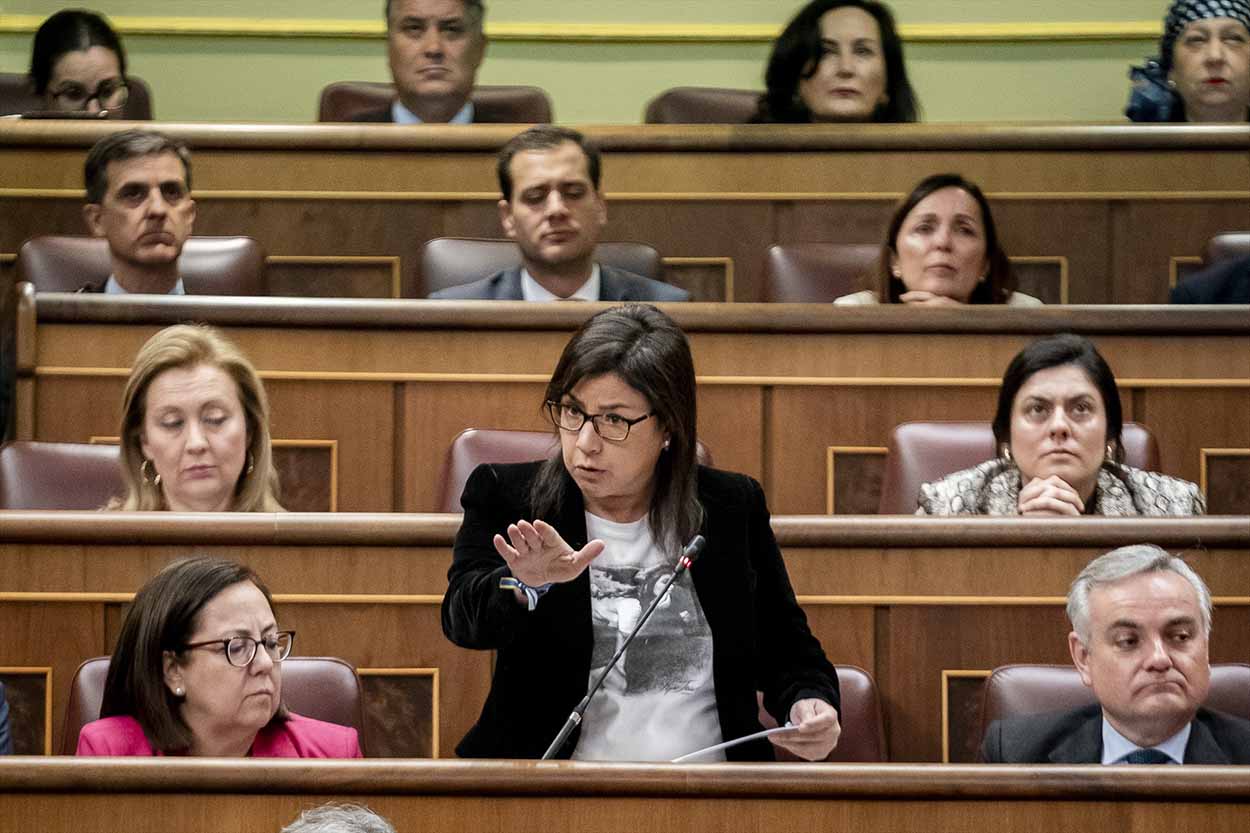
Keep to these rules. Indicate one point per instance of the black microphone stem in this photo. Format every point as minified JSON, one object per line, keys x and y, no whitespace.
{"x":688,"y":555}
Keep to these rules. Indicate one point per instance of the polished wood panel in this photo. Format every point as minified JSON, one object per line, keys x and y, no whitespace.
{"x":393,"y":382}
{"x":905,"y":598}
{"x":1133,"y":197}
{"x":181,"y":796}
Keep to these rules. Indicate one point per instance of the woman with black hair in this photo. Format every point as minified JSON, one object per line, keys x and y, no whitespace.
{"x":1058,"y":428}
{"x":838,"y":61}
{"x":77,"y":63}
{"x":942,"y":248}
{"x":556,"y":560}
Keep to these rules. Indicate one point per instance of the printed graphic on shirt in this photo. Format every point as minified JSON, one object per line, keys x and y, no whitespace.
{"x":673,"y":651}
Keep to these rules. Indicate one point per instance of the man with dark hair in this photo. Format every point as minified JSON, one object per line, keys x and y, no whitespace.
{"x":552,"y":207}
{"x":1141,"y":619}
{"x":435,"y":48}
{"x":139,"y":200}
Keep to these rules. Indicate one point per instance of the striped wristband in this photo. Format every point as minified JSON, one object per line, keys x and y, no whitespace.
{"x":532,"y":594}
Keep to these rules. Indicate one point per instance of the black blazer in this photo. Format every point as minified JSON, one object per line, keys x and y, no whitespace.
{"x":614,"y":285}
{"x":760,"y":637}
{"x":1075,"y":737}
{"x":1227,"y":282}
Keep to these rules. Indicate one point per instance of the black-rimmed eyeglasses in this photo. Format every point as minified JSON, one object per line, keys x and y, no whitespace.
{"x":241,"y":650}
{"x":612,"y":427}
{"x":110,"y":95}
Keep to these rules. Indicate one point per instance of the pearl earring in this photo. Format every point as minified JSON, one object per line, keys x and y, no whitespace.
{"x":179,"y":691}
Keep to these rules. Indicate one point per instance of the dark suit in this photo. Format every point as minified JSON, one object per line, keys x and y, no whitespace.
{"x":1075,"y":737}
{"x":1226,"y":282}
{"x":614,"y":285}
{"x":6,"y":740}
{"x":760,"y":637}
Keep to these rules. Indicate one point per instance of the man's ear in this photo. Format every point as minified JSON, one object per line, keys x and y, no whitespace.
{"x":91,"y":216}
{"x":506,"y":220}
{"x":1080,"y":658}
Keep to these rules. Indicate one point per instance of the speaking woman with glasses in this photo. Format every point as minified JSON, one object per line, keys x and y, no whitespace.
{"x":556,"y":561}
{"x":198,"y":671}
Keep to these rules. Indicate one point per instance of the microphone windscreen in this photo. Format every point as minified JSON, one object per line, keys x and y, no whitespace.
{"x":693,"y":549}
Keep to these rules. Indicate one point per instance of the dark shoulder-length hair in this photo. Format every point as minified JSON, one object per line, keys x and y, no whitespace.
{"x":1000,"y":281}
{"x":797,"y":53}
{"x":1054,"y":351}
{"x":650,"y":353}
{"x":162,"y":618}
{"x":71,"y":30}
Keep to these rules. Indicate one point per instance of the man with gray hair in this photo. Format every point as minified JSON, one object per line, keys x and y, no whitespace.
{"x":1141,"y":619}
{"x":435,"y":48}
{"x":139,"y":200}
{"x":339,"y":818}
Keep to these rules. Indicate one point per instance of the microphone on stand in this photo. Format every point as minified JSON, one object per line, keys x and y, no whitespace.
{"x":688,"y":555}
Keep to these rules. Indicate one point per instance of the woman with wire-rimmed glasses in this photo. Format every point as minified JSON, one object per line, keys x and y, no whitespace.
{"x":556,"y":561}
{"x":198,"y":671}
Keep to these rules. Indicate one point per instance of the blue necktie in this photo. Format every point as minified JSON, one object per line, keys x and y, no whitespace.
{"x":1146,"y":756}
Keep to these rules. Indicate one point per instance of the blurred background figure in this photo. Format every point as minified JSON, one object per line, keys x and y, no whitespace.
{"x":77,"y":63}
{"x":339,"y":818}
{"x":1202,"y":73}
{"x":838,"y":61}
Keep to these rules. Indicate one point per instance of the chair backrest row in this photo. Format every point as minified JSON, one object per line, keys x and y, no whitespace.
{"x":16,"y":96}
{"x":793,"y":272}
{"x":327,"y":688}
{"x":209,"y":265}
{"x":37,"y":475}
{"x":323,"y":688}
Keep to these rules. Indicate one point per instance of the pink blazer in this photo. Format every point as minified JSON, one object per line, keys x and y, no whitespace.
{"x":296,"y":737}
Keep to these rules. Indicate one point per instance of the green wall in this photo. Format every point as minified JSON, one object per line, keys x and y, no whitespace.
{"x":233,"y":78}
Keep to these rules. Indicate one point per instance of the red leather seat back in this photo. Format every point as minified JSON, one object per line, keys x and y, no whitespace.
{"x":703,"y":105}
{"x":16,"y":97}
{"x":807,"y":273}
{"x":505,"y":104}
{"x":36,"y":475}
{"x":1018,"y":690}
{"x":324,"y":688}
{"x":451,"y":261}
{"x":475,"y":446}
{"x":208,"y":265}
{"x":922,"y":452}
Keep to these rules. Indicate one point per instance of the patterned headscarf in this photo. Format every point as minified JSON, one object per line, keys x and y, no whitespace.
{"x":1184,"y":12}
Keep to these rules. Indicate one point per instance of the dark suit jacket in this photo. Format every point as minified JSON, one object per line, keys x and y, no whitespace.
{"x":614,"y":285}
{"x":1075,"y":737}
{"x":6,"y":740}
{"x":760,"y":637}
{"x":1227,"y":282}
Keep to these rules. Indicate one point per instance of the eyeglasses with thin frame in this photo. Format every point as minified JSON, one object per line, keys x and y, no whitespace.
{"x":110,"y":95}
{"x":609,"y":426}
{"x":241,"y":650}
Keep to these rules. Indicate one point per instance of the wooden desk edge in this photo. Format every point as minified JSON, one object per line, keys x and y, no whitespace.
{"x":535,"y":778}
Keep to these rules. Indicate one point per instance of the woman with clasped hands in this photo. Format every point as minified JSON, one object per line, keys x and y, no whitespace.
{"x":556,"y":561}
{"x":198,"y":671}
{"x":1058,"y":429}
{"x":942,"y":249}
